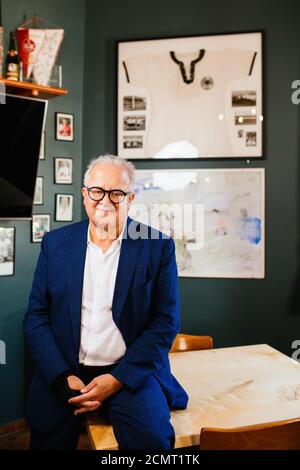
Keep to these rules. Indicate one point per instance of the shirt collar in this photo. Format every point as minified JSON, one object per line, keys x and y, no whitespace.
{"x":117,"y":241}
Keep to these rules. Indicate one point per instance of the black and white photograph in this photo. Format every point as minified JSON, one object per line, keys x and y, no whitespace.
{"x":42,"y":155}
{"x":193,"y":87}
{"x":133,"y":142}
{"x":7,"y":251}
{"x":38,"y":199}
{"x":64,"y":207}
{"x":64,"y":126}
{"x":245,"y":119}
{"x":134,"y":103}
{"x":243,"y":98}
{"x":39,"y":226}
{"x":134,"y":123}
{"x":63,"y":170}
{"x":251,"y":139}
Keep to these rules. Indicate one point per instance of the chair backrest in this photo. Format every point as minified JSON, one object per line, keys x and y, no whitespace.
{"x":191,"y":343}
{"x":280,"y":435}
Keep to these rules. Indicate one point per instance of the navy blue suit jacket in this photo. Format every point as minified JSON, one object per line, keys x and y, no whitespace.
{"x":145,"y":309}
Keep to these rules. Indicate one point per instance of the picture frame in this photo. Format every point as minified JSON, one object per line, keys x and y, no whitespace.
{"x":7,"y":251}
{"x":63,"y":170}
{"x":38,"y":199}
{"x":64,"y":126}
{"x":42,"y":154}
{"x":64,"y":207}
{"x":190,"y":97}
{"x":40,"y":224}
{"x":215,"y":216}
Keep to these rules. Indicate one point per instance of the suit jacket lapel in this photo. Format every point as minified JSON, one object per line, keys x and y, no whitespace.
{"x":129,"y":255}
{"x":76,"y":261}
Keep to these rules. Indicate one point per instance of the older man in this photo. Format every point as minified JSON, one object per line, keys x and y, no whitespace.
{"x":102,"y":316}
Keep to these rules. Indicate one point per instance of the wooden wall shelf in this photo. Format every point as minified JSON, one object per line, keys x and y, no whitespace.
{"x":32,"y":90}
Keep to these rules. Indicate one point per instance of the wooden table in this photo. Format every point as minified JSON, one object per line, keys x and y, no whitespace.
{"x":227,"y":387}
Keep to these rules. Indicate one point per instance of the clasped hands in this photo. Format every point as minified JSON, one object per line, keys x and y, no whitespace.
{"x":92,"y":394}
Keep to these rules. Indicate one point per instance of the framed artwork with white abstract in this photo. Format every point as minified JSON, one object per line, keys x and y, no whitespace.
{"x":191,"y":97}
{"x":63,"y":170}
{"x":42,"y":154}
{"x":216,"y":218}
{"x":64,"y":207}
{"x":39,"y":226}
{"x":39,"y":191}
{"x":7,"y":251}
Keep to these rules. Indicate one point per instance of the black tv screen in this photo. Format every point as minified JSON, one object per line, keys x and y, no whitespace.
{"x":21,"y":127}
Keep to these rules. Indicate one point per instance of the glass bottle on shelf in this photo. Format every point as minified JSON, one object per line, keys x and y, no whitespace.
{"x":56,"y":77}
{"x":12,"y":59}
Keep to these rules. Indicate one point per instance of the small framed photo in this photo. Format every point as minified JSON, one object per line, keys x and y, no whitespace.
{"x":63,"y":170}
{"x":64,"y":126}
{"x":40,"y":225}
{"x":38,"y":199}
{"x":64,"y":207}
{"x":7,"y":251}
{"x":43,"y":146}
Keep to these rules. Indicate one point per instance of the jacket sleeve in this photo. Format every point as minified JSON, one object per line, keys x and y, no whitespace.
{"x":37,"y":325}
{"x":145,"y":355}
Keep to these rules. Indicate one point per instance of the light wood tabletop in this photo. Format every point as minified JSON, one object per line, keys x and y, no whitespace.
{"x":229,"y":387}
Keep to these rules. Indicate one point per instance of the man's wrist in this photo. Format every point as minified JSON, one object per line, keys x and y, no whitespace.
{"x":117,"y":384}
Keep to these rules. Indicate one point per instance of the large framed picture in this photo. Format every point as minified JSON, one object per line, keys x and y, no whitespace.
{"x":7,"y":251}
{"x":64,"y":126}
{"x":191,"y":97}
{"x":40,"y":225}
{"x":63,"y":170}
{"x":64,"y":207}
{"x":216,"y":218}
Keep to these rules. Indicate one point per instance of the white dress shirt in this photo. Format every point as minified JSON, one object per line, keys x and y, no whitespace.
{"x":101,"y":341}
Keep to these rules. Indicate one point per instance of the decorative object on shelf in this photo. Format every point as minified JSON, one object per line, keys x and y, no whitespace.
{"x":190,"y":97}
{"x":7,"y":251}
{"x":39,"y":226}
{"x":38,"y":199}
{"x":64,"y":126}
{"x":64,"y":207}
{"x":63,"y":170}
{"x":12,"y":65}
{"x":56,"y":77}
{"x":42,"y":155}
{"x":216,"y":218}
{"x":39,"y":44}
{"x":1,"y":51}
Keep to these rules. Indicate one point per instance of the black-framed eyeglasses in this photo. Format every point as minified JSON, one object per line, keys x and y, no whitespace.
{"x":116,"y":196}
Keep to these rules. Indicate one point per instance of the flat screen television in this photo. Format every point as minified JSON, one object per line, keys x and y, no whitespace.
{"x":21,"y":126}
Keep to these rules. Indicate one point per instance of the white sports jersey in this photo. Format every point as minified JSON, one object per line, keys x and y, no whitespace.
{"x":188,"y":100}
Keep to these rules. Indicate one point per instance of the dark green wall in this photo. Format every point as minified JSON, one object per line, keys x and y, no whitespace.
{"x":69,"y":14}
{"x":234,"y":312}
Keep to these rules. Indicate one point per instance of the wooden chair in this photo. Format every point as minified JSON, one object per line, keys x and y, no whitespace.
{"x":279,"y":435}
{"x":191,"y":343}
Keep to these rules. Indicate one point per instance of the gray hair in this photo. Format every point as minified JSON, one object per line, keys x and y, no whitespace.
{"x":111,"y":160}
